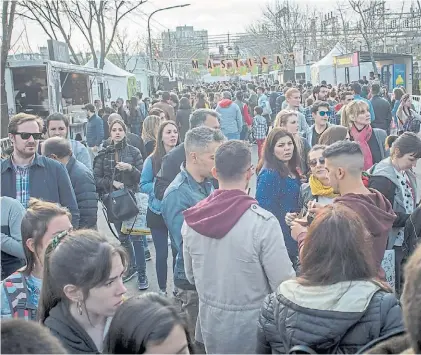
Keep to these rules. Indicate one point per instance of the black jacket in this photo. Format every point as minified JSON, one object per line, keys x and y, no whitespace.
{"x":337,"y":318}
{"x":170,"y":167}
{"x":412,"y":230}
{"x":183,"y":122}
{"x":71,"y":335}
{"x":382,"y":112}
{"x":85,"y":190}
{"x":104,"y":167}
{"x":134,"y":140}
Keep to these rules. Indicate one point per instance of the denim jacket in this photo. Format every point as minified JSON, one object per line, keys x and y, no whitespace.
{"x":147,"y":183}
{"x":184,"y":192}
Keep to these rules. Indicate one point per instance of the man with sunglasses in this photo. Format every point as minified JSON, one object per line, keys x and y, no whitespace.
{"x":26,"y":174}
{"x":321,"y":114}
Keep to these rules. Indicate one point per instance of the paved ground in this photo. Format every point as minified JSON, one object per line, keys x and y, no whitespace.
{"x":150,"y":265}
{"x":132,"y":286}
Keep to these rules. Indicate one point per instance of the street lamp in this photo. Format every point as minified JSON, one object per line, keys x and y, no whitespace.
{"x":149,"y":29}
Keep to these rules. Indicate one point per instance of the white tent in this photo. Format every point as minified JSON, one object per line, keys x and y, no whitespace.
{"x":117,"y":78}
{"x":324,"y":69}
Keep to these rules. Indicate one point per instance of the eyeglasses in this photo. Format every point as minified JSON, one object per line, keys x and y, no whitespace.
{"x":25,"y":135}
{"x":313,"y":162}
{"x":325,"y":113}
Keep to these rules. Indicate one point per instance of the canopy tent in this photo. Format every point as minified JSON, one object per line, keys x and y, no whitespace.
{"x":324,"y":68}
{"x":121,"y":83}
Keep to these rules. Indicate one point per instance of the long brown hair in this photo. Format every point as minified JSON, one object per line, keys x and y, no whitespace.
{"x":333,"y":134}
{"x":81,"y":258}
{"x":159,"y":150}
{"x":270,"y":161}
{"x":336,"y":249}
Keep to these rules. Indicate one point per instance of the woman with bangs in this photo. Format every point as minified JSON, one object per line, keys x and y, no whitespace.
{"x":82,"y":289}
{"x":356,"y":117}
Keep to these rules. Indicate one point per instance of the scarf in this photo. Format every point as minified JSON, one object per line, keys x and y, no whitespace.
{"x":318,"y":189}
{"x":362,"y":137}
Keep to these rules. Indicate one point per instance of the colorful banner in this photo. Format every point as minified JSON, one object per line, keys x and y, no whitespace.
{"x":346,"y":61}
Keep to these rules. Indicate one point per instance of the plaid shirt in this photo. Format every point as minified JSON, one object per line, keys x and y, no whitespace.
{"x":310,"y":120}
{"x":260,"y":127}
{"x":22,"y":184}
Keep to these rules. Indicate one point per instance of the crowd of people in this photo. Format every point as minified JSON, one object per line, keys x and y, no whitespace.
{"x":323,"y":258}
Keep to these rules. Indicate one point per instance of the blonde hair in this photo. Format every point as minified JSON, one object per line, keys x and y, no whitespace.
{"x":291,"y":92}
{"x":150,"y":128}
{"x":351,"y":111}
{"x":281,"y":121}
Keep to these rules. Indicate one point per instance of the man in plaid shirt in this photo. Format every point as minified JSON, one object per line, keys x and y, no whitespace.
{"x":320,"y":93}
{"x":26,"y":174}
{"x":259,"y":129}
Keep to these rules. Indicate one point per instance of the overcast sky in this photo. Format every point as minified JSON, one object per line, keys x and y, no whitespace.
{"x":217,"y":16}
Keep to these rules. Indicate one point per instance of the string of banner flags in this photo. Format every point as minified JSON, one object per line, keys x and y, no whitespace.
{"x":237,"y":66}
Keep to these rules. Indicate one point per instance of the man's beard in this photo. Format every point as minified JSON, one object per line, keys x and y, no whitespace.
{"x":24,"y":154}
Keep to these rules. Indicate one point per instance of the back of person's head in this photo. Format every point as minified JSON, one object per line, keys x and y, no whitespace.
{"x":34,"y":226}
{"x":113,"y":117}
{"x":411,"y":300}
{"x":227,"y":95}
{"x":232,"y":161}
{"x":155,"y":111}
{"x":356,"y":88}
{"x":20,"y":336}
{"x":198,"y":117}
{"x":346,"y":155}
{"x":142,"y":324}
{"x":185,"y":104}
{"x":75,"y":263}
{"x":327,"y":259}
{"x":150,"y":128}
{"x":258,"y":110}
{"x":165,"y":96}
{"x":375,"y":89}
{"x":199,"y":139}
{"x":58,"y":147}
{"x":398,"y":93}
{"x":351,"y":111}
{"x":239,"y":95}
{"x":406,"y":143}
{"x":333,"y":134}
{"x":389,"y":141}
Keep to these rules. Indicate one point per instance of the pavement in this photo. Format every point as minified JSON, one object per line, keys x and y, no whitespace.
{"x":150,"y":265}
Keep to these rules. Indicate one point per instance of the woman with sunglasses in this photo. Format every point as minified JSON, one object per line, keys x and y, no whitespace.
{"x":356,"y":117}
{"x":318,"y":188}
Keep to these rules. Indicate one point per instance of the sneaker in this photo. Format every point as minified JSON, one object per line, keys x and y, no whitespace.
{"x":129,"y":274}
{"x":163,"y":293}
{"x":143,"y":282}
{"x":148,"y":255}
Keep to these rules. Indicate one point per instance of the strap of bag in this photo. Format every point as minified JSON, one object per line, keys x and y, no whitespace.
{"x":104,"y":211}
{"x":112,"y":178}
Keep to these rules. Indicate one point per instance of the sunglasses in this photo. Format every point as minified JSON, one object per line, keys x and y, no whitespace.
{"x":25,"y":135}
{"x":313,"y":162}
{"x":325,"y":113}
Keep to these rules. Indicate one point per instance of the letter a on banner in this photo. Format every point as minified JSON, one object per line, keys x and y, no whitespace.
{"x":210,"y":64}
{"x":195,"y":64}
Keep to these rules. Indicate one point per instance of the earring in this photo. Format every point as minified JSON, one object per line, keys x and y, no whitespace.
{"x":79,"y":307}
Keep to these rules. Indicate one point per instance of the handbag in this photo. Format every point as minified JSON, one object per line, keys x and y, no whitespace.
{"x":137,"y":225}
{"x":120,"y":204}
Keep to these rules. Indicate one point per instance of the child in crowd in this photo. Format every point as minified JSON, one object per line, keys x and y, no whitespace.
{"x":388,"y":143}
{"x":259,"y":128}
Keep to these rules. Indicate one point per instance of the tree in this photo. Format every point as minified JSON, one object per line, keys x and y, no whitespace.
{"x":8,"y":17}
{"x":124,"y":50}
{"x":97,"y":21}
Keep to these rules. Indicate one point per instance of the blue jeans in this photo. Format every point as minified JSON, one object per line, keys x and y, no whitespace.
{"x":160,"y":240}
{"x":231,"y":136}
{"x":133,"y":245}
{"x":145,"y":243}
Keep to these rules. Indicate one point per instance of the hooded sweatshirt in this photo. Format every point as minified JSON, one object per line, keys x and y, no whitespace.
{"x":71,"y":335}
{"x":217,"y":214}
{"x":378,"y":216}
{"x":231,"y":117}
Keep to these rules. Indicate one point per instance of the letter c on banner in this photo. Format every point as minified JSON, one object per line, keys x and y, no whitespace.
{"x":265,"y":60}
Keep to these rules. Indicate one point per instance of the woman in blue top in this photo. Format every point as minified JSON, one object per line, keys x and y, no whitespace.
{"x":167,"y":139}
{"x":20,"y":291}
{"x":278,"y":182}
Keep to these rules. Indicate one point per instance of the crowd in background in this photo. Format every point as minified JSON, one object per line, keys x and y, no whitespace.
{"x":315,"y":261}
